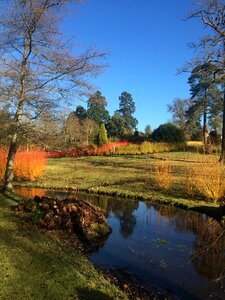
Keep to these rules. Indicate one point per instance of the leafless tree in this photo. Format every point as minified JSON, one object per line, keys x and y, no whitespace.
{"x":37,"y":67}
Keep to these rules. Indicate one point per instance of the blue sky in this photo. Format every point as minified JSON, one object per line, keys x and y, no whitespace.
{"x":148,"y":42}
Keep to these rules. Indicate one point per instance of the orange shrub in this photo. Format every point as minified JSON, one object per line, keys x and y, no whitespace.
{"x":30,"y":164}
{"x":3,"y":158}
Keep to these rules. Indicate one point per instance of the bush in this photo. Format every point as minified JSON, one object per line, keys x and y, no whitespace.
{"x":3,"y":158}
{"x":28,"y":165}
{"x":168,"y":133}
{"x":206,"y":178}
{"x":148,"y":148}
{"x":163,"y":174}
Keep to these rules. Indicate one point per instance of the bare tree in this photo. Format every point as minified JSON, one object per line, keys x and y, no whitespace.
{"x":37,"y":68}
{"x":212,"y":15}
{"x":179,"y":108}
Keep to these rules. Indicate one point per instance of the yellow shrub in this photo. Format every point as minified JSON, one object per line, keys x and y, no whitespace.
{"x":162,"y":172}
{"x":207,"y":178}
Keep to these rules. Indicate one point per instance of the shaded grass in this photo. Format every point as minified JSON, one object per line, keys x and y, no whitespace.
{"x":36,"y":265}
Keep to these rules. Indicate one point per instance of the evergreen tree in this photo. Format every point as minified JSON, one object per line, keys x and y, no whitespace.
{"x":97,"y":109}
{"x":202,"y":90}
{"x":115,"y":127}
{"x":102,"y":136}
{"x":126,"y":110}
{"x":81,"y":112}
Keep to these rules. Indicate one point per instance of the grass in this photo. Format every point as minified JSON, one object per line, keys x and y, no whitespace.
{"x":127,"y":176}
{"x":37,"y":265}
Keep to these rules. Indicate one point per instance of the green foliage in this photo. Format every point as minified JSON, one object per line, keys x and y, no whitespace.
{"x":168,"y":133}
{"x":126,"y":110}
{"x":115,"y":126}
{"x":81,"y":112}
{"x":97,"y":109}
{"x":102,"y":136}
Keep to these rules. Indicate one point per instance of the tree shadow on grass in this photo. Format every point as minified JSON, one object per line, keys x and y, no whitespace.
{"x":85,"y":294}
{"x":35,"y":266}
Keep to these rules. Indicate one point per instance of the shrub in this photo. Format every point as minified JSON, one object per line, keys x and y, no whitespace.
{"x":29,"y":165}
{"x":149,"y":147}
{"x":206,"y":179}
{"x":102,"y":136}
{"x":3,"y":158}
{"x":168,"y":133}
{"x":162,"y":173}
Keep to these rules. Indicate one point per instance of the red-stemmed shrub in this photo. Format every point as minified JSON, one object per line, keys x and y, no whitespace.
{"x":30,"y":165}
{"x":3,"y":158}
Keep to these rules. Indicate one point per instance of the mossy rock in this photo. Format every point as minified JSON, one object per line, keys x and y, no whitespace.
{"x":96,"y":231}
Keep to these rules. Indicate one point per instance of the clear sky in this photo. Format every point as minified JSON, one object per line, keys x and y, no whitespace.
{"x":148,"y":40}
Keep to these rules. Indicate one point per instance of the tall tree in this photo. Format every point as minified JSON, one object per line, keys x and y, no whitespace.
{"x":203,"y":88}
{"x":37,"y":70}
{"x":72,"y":130}
{"x":97,"y":109}
{"x":179,"y":108}
{"x":212,"y":15}
{"x":81,"y":112}
{"x":126,"y":110}
{"x":148,"y":129}
{"x":115,"y":127}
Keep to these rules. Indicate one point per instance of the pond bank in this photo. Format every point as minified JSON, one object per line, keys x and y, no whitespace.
{"x":152,"y":241}
{"x":38,"y":265}
{"x":210,"y":209}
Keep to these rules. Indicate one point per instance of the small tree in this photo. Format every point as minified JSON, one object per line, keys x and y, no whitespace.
{"x":102,"y":136}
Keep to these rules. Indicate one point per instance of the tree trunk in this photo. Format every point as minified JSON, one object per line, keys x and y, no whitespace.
{"x":10,"y":162}
{"x":204,"y":125}
{"x":9,"y":174}
{"x":222,"y":155}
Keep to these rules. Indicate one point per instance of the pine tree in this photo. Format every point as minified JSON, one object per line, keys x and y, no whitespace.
{"x":126,"y":110}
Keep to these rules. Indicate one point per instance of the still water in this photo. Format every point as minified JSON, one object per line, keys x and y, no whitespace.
{"x":179,"y":251}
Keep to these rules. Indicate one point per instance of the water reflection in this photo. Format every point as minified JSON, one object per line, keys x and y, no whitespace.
{"x":181,"y":251}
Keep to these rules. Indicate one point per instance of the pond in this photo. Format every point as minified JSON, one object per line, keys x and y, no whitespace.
{"x":181,"y":252}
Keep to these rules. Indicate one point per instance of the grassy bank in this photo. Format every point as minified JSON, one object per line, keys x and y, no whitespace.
{"x":36,"y":265}
{"x":128,"y":176}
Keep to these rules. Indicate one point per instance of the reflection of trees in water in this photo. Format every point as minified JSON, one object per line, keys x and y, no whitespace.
{"x":123,"y":210}
{"x":30,"y":193}
{"x":208,"y":255}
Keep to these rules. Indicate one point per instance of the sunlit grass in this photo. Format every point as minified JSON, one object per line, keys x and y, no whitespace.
{"x":130,"y":176}
{"x":37,"y":265}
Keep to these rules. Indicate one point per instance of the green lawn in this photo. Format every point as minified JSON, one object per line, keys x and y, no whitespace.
{"x":35,"y":265}
{"x":129,"y":176}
